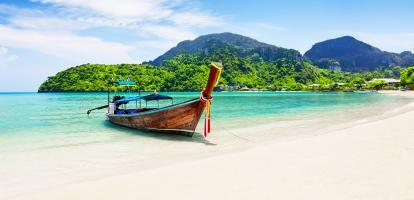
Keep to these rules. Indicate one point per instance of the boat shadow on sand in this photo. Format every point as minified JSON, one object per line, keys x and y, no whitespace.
{"x":197,"y":137}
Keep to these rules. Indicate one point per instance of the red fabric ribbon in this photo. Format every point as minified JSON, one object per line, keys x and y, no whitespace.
{"x":207,"y":119}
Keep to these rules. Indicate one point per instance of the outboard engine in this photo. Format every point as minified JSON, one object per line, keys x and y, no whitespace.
{"x":112,"y":108}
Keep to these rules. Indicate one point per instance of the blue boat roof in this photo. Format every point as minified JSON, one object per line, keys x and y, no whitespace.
{"x":153,"y":97}
{"x":128,"y":99}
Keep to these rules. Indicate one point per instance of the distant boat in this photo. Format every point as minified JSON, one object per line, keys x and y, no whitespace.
{"x":180,"y":118}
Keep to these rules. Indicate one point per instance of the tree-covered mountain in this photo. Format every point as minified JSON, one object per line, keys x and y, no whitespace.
{"x":243,"y":46}
{"x":246,"y":62}
{"x":349,"y":54}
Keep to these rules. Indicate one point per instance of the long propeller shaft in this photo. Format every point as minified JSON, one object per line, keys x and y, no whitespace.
{"x":98,"y":108}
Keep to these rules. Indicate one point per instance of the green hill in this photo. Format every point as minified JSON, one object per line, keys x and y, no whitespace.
{"x":246,"y":62}
{"x":244,"y":46}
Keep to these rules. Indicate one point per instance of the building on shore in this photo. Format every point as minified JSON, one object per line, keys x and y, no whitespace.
{"x":390,"y":81}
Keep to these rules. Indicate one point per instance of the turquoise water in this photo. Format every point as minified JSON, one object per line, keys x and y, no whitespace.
{"x":47,"y":139}
{"x":49,"y":113}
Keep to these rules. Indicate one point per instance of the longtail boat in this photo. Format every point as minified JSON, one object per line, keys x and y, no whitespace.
{"x":179,"y":118}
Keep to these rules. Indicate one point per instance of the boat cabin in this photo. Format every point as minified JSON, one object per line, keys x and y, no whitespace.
{"x":119,"y":104}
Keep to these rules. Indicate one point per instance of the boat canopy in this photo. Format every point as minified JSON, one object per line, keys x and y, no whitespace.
{"x":151,"y":97}
{"x":128,"y":99}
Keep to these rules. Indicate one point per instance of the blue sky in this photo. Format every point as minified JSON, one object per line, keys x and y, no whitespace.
{"x":39,"y":38}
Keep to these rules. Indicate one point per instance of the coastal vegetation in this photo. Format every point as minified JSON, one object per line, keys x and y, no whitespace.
{"x":377,"y":84}
{"x":188,"y":73}
{"x":407,"y":77}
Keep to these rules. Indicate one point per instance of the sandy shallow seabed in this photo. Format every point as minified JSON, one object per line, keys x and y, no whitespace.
{"x":373,"y":160}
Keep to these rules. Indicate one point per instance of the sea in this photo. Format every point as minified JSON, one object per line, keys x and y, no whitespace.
{"x":47,"y":139}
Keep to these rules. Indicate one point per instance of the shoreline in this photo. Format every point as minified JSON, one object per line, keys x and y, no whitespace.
{"x":343,"y":90}
{"x":369,"y":160}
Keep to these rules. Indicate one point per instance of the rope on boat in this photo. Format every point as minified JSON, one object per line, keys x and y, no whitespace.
{"x":209,"y":99}
{"x":207,"y":119}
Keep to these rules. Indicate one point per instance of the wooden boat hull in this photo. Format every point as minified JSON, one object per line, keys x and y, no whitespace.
{"x":180,"y":118}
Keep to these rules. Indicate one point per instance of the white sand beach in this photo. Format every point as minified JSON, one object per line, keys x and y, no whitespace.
{"x":372,"y":160}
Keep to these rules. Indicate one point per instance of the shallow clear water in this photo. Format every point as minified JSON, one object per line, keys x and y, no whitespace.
{"x":48,"y":139}
{"x":24,"y":113}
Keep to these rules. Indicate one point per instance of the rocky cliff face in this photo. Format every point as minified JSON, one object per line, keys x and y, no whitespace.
{"x":355,"y":56}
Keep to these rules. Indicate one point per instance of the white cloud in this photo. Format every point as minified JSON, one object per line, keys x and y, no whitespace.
{"x":51,"y":24}
{"x":129,"y":13}
{"x":66,"y":45}
{"x":54,"y":30}
{"x":5,"y":57}
{"x":150,"y":9}
{"x":64,"y":33}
